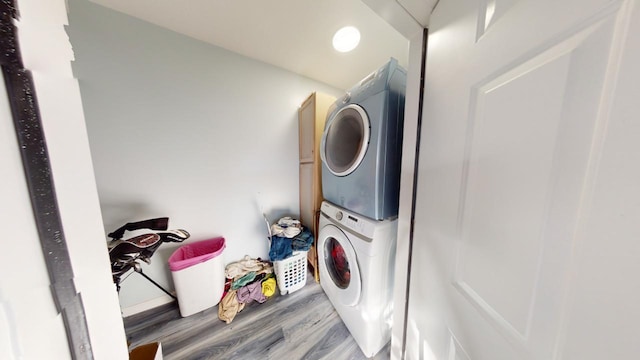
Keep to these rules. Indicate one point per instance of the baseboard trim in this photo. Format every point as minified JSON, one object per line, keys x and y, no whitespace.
{"x":147,"y":305}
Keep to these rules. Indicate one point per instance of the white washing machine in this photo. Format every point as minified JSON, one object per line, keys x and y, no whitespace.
{"x":356,"y":256}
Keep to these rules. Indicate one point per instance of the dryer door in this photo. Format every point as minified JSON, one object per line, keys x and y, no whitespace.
{"x":339,"y":265}
{"x":345,"y":140}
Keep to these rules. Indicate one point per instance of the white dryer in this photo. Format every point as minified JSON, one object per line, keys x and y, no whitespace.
{"x":356,"y":260}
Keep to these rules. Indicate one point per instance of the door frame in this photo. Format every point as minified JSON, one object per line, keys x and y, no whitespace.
{"x":408,"y":188}
{"x":410,"y":19}
{"x":39,"y":180}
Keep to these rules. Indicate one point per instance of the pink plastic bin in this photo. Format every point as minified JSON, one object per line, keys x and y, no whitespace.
{"x":197,"y":270}
{"x":195,"y":253}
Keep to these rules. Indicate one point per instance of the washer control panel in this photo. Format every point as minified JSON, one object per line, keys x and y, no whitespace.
{"x":357,"y":223}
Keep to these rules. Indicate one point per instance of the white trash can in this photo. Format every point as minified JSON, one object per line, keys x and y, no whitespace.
{"x":198,"y":275}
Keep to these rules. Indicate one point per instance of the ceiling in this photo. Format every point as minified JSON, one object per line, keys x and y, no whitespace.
{"x":292,"y":34}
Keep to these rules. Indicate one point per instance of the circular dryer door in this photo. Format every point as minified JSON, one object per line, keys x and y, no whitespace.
{"x":345,"y":140}
{"x":339,"y":265}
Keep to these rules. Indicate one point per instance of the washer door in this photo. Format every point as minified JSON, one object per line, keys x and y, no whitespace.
{"x":339,"y":265}
{"x":345,"y":140}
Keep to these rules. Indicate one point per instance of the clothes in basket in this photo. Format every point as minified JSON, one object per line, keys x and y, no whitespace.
{"x":283,"y":247}
{"x":289,"y":243}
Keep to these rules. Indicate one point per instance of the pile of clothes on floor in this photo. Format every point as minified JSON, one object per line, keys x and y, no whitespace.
{"x":247,"y":280}
{"x":254,"y":279}
{"x":288,"y":235}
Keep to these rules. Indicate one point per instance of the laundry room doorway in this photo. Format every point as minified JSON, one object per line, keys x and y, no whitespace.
{"x":167,"y":125}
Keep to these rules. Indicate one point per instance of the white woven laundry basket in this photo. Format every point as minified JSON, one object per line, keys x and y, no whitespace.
{"x":291,"y":273}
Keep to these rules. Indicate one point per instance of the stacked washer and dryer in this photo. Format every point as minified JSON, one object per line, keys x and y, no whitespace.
{"x":361,"y":154}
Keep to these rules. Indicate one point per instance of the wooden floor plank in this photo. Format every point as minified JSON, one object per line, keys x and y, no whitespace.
{"x":301,"y":325}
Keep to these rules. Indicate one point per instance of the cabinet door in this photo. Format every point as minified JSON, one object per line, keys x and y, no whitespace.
{"x":306,"y":118}
{"x":307,"y":210}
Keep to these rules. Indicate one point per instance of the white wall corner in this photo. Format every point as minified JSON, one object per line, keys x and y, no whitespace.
{"x":420,"y":10}
{"x":397,"y":16}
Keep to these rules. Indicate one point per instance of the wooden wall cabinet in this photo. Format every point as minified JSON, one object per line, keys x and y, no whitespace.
{"x":311,"y":116}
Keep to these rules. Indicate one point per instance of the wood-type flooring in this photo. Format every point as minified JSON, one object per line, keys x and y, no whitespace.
{"x":301,"y":325}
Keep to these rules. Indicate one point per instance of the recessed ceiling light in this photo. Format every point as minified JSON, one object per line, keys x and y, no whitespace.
{"x":346,"y":39}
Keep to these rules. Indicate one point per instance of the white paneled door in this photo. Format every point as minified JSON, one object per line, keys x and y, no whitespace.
{"x":527,"y":230}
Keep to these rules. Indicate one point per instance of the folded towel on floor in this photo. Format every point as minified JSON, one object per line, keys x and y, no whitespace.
{"x":253,"y":291}
{"x":229,"y":307}
{"x":269,"y":287}
{"x":244,"y":280}
{"x":242,"y":267}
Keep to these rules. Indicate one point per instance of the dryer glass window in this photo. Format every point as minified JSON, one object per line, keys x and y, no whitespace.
{"x":346,"y":140}
{"x":337,"y":263}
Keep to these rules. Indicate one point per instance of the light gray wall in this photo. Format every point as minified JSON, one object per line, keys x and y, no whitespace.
{"x":181,"y":128}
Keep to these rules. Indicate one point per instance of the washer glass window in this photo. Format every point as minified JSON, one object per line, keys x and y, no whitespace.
{"x":337,"y":263}
{"x":346,"y":140}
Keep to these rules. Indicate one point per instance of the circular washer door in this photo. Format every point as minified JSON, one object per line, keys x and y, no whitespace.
{"x":339,"y":265}
{"x":345,"y":140}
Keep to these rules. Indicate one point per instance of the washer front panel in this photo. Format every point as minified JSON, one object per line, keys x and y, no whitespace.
{"x":339,"y":266}
{"x":337,"y":263}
